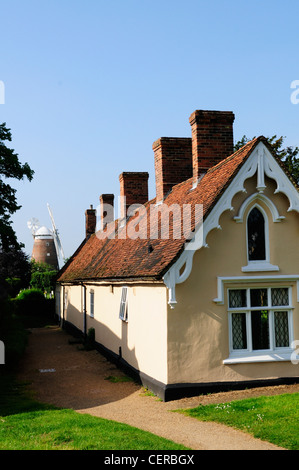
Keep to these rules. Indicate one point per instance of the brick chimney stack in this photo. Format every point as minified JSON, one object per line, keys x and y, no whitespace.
{"x":212,"y":139}
{"x":90,"y":222}
{"x":107,"y":209}
{"x":133,"y":190}
{"x":173,"y":163}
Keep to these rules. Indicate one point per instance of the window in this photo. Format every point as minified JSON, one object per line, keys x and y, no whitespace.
{"x":123,"y":310}
{"x":258,"y":249}
{"x":92,"y":303}
{"x":256,"y":235}
{"x":259,"y":319}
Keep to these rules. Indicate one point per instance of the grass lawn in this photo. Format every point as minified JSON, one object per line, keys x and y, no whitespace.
{"x":28,"y":425}
{"x":271,"y":418}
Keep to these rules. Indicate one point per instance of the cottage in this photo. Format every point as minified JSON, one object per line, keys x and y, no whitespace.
{"x":198,"y":288}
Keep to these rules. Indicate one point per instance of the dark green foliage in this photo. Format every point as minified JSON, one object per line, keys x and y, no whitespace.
{"x":31,"y":295}
{"x":32,"y":302}
{"x":44,"y":281}
{"x":288,"y":155}
{"x":10,"y":167}
{"x":43,"y":277}
{"x":30,"y":309}
{"x":13,"y":335}
{"x":14,"y":271}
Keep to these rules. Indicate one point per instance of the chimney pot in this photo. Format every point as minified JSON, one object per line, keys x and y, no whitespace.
{"x":133,"y":190}
{"x":107,"y":209}
{"x":212,"y":139}
{"x":173,"y":163}
{"x":90,"y":222}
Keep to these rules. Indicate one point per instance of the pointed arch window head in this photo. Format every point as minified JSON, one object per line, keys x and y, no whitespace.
{"x":257,"y":232}
{"x":256,"y":236}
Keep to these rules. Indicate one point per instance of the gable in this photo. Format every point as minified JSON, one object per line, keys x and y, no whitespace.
{"x":259,"y":162}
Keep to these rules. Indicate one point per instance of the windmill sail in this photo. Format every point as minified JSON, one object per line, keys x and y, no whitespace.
{"x":33,"y":225}
{"x":57,"y":241}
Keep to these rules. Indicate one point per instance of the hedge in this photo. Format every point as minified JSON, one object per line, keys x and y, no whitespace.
{"x":32,"y":302}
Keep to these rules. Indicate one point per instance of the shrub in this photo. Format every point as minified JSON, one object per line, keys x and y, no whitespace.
{"x":30,"y":302}
{"x":13,"y":335}
{"x":42,"y":277}
{"x":31,"y":294}
{"x":15,"y":338}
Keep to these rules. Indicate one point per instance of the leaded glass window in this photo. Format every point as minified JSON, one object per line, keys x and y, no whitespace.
{"x":280,"y":296}
{"x":239,"y":331}
{"x":260,"y":318}
{"x":237,"y":298}
{"x":256,"y":235}
{"x":281,"y":329}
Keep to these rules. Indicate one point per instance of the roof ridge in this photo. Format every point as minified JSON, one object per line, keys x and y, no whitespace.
{"x":236,"y":153}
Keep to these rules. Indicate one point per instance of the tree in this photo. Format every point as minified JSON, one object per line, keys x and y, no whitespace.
{"x":15,"y":272}
{"x":43,"y":277}
{"x":287,"y":155}
{"x":10,"y":167}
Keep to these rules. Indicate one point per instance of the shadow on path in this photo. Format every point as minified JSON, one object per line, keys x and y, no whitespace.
{"x":62,"y":374}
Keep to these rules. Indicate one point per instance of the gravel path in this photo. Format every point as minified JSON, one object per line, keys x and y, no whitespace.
{"x":64,"y":375}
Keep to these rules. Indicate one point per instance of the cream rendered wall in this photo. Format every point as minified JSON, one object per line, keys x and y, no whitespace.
{"x":142,"y":338}
{"x":198,"y":328}
{"x":73,"y":305}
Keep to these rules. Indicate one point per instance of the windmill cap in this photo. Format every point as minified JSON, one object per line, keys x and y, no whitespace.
{"x":43,"y":232}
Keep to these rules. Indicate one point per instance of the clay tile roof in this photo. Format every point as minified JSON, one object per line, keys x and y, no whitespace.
{"x":122,"y":258}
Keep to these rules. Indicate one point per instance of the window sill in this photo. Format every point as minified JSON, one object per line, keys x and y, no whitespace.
{"x":286,"y":355}
{"x":259,"y":266}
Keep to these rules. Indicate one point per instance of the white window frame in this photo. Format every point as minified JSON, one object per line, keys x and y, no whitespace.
{"x":91,"y":303}
{"x":263,"y":355}
{"x":259,"y":265}
{"x":123,"y":308}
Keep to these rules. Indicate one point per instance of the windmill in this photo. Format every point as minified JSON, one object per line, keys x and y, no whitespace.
{"x":57,"y":242}
{"x":47,"y":246}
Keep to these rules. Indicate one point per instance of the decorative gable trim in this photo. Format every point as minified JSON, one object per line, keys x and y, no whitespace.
{"x":260,"y":161}
{"x":262,"y":265}
{"x":259,"y":197}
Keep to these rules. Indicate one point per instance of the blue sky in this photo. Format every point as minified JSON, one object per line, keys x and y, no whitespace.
{"x":89,"y":86}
